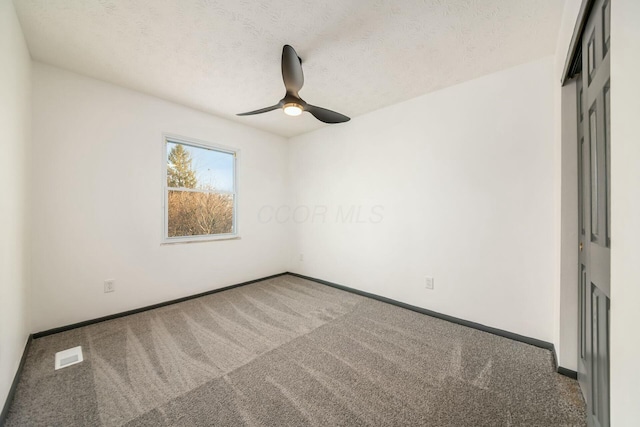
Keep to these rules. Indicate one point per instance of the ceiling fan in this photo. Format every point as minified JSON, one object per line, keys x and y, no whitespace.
{"x":292,"y":104}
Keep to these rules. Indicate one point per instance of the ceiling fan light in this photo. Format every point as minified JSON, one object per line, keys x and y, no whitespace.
{"x":292,"y":109}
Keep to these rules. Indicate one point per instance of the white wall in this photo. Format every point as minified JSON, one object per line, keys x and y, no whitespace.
{"x":15,"y":122}
{"x":625,"y":212}
{"x":464,"y":177}
{"x":566,"y":198}
{"x":97,"y":152}
{"x":567,"y":343}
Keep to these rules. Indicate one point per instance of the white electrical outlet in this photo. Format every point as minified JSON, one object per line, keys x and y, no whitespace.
{"x":301,"y":257}
{"x":428,"y":282}
{"x":109,"y":286}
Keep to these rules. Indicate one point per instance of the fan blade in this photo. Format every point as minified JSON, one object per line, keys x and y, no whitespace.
{"x":260,"y":111}
{"x":327,"y":116}
{"x":291,"y":70}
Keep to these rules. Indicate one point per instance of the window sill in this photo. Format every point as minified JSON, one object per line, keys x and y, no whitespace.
{"x":171,"y":242}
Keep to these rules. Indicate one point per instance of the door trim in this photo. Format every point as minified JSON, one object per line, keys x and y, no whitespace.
{"x":573,"y":63}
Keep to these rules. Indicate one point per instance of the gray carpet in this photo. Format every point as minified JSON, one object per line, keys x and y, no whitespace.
{"x":291,"y":352}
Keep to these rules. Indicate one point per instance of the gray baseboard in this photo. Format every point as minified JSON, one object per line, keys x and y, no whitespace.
{"x":148,"y":307}
{"x":567,"y":373}
{"x":500,"y":332}
{"x":14,"y":385}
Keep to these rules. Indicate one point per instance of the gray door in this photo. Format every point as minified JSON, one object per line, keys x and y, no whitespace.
{"x":594,"y":215}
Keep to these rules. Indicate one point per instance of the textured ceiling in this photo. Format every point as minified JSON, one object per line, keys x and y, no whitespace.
{"x":223,"y":56}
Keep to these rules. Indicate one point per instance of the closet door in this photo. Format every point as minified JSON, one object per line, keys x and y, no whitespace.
{"x":595,"y":213}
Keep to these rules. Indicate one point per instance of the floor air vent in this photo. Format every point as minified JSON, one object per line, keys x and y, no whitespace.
{"x":68,"y":357}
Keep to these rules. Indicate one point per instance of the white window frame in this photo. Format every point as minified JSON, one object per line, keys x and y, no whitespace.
{"x":170,"y":138}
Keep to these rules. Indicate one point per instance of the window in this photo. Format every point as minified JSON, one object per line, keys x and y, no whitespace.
{"x":199,"y":191}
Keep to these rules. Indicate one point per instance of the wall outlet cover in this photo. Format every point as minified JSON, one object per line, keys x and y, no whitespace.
{"x":429,"y":283}
{"x":109,"y":286}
